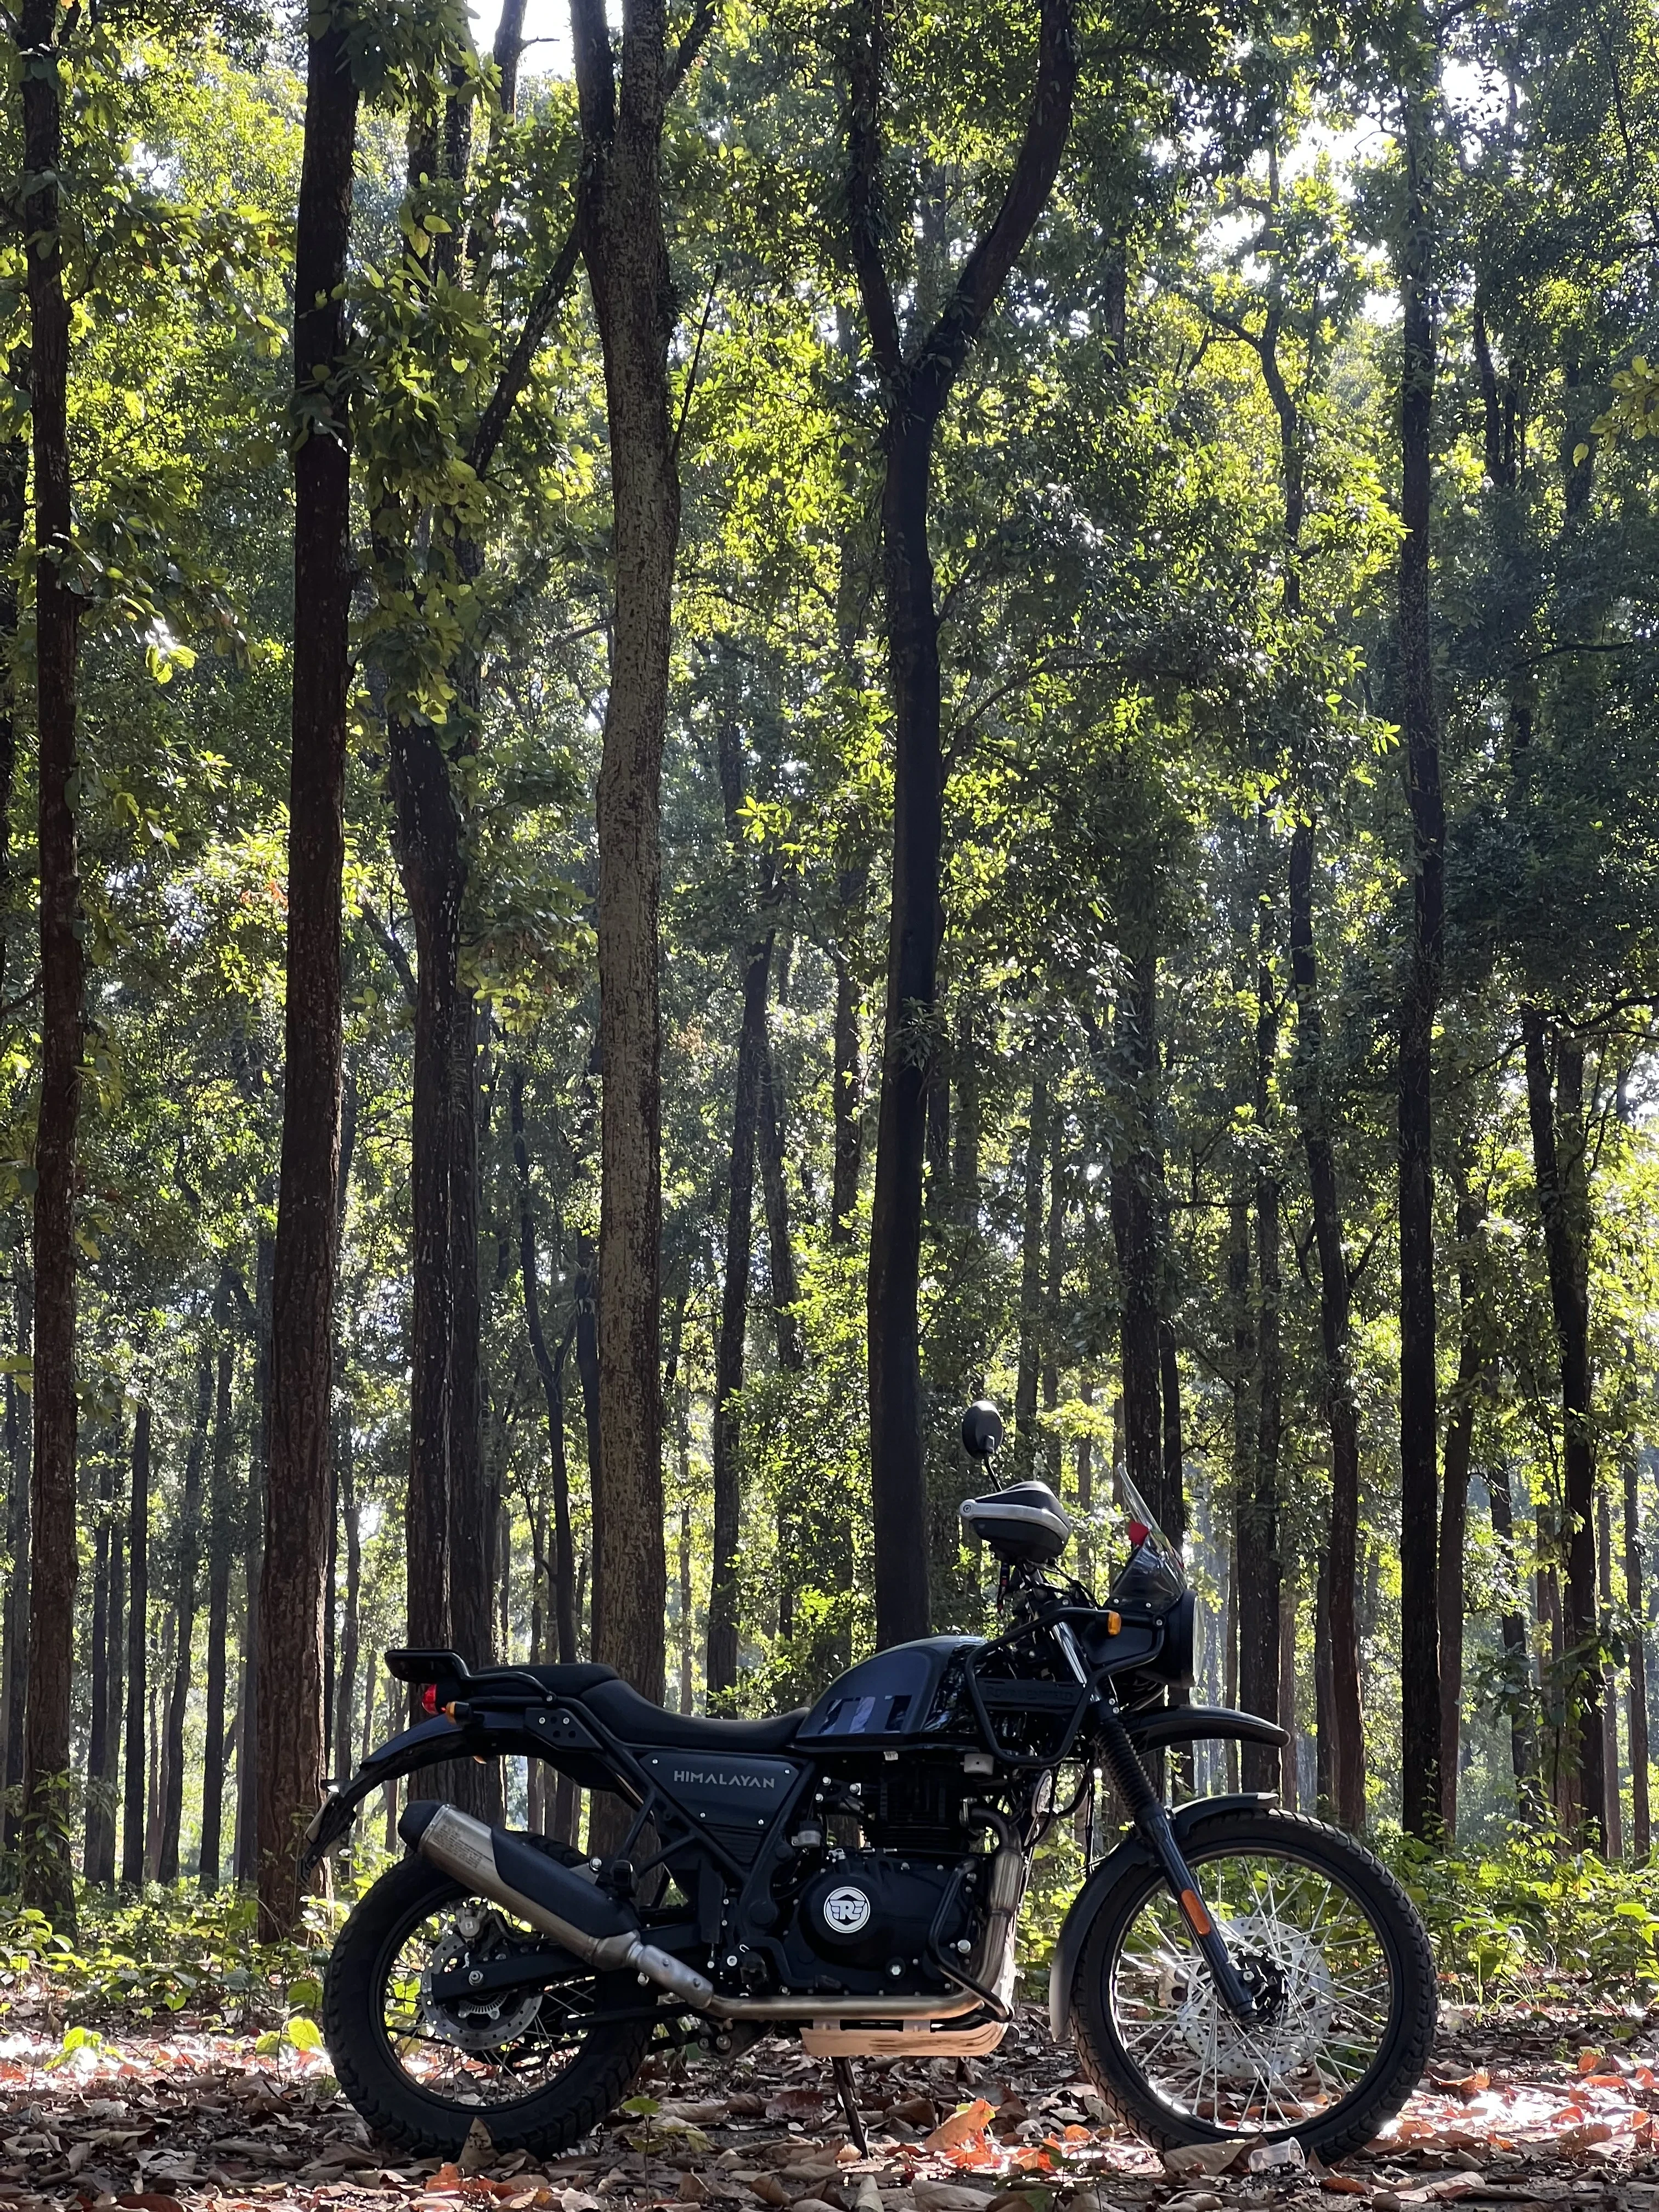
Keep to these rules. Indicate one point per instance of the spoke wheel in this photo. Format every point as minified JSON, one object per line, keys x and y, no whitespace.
{"x":1338,"y":1962}
{"x":428,"y":2032}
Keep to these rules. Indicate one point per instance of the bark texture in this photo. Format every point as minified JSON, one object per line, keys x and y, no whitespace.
{"x":1339,"y":1570}
{"x":46,"y":1878}
{"x":729,"y":1342}
{"x":1419,"y":1652}
{"x":188,"y":1560}
{"x":132,"y":1808}
{"x":290,"y":1725}
{"x":915,"y":386}
{"x":220,"y":1537}
{"x":1555,"y":1104}
{"x":625,"y":251}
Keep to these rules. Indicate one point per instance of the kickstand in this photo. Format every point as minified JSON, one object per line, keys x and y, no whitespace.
{"x":846,"y":2090}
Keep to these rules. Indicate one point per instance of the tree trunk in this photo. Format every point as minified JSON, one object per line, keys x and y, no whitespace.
{"x":18,"y":1512}
{"x":1613,"y":1811}
{"x":1523,"y":1736}
{"x":626,"y":255}
{"x":220,"y":1538}
{"x":1324,"y":1702}
{"x":1054,"y":1296}
{"x":1419,"y":1655}
{"x":1289,"y":1761}
{"x":914,"y":393}
{"x":898,"y":1482}
{"x":1260,"y":1569}
{"x":1641,"y":1838}
{"x":550,"y":1369}
{"x":1455,"y":1505}
{"x":688,"y":1616}
{"x":965,"y":1128}
{"x":290,"y":1726}
{"x":132,"y":1827}
{"x":1555,"y":1110}
{"x":1030,"y":1285}
{"x":351,"y":1626}
{"x":98,"y":1759}
{"x":474,"y":1502}
{"x":258,"y":1472}
{"x":585,"y":1293}
{"x":723,"y":1594}
{"x":14,"y":513}
{"x":114,"y":1697}
{"x":848,"y":1094}
{"x":189,"y":1539}
{"x":433,"y":869}
{"x":1346,"y":1750}
{"x":48,"y":1880}
{"x":1136,"y":1187}
{"x":780,"y":1242}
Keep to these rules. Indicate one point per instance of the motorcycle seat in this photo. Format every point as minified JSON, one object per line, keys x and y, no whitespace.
{"x":636,"y":1720}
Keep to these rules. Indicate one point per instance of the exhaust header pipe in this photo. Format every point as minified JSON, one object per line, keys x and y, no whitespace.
{"x":601,"y":1932}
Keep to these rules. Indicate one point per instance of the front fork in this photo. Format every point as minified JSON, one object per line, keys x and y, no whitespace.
{"x":1153,"y":1821}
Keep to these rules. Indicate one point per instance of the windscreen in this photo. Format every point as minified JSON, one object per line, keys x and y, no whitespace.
{"x":1152,"y":1576}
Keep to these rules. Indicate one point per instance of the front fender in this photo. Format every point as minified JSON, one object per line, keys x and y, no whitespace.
{"x":424,"y":1744}
{"x":1132,"y":1857}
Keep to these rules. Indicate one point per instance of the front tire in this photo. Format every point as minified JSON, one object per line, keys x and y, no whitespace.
{"x":1342,"y":1964}
{"x":420,"y":2072}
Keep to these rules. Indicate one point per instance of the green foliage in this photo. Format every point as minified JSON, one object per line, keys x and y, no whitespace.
{"x":165,"y":1953}
{"x":1533,"y":1919}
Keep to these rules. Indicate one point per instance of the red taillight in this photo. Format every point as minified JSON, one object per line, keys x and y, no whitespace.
{"x":429,"y":1699}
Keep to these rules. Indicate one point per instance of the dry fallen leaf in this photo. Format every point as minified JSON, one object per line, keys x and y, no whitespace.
{"x":947,"y":2196}
{"x":972,"y":2120}
{"x":1188,"y":2159}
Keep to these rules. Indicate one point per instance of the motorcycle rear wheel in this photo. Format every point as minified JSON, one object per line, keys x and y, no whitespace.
{"x":420,"y":2072}
{"x":1343,"y":1966}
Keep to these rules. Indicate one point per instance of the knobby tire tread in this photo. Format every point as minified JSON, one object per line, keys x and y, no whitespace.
{"x":1349,"y":2126}
{"x":548,"y":2121}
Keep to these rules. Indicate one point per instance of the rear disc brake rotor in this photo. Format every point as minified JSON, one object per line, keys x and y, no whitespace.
{"x":492,"y":2018}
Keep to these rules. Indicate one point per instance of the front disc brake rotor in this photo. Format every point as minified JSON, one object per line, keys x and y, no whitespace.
{"x":494,"y":2018}
{"x":1282,"y":1965}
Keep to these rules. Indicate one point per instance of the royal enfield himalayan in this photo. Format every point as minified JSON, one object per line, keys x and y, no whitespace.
{"x":853,"y":1874}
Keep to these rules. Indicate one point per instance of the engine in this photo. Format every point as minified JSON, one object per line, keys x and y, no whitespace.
{"x":863,"y":1923}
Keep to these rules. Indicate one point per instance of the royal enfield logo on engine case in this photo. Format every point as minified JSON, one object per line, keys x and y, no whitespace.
{"x":847,"y":1911}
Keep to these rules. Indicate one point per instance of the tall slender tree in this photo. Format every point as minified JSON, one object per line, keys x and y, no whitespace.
{"x":47,"y":1879}
{"x":132,"y":1805}
{"x":915,"y":384}
{"x":1419,"y":998}
{"x":298,"y":1490}
{"x":621,"y":99}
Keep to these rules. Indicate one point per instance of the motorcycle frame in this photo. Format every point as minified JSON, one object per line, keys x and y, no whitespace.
{"x":514,"y":1715}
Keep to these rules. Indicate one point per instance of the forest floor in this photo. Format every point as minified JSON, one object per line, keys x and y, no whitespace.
{"x":1522,"y":2106}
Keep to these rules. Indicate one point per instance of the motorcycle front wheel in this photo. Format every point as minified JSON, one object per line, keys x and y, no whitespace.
{"x":535,"y":2061}
{"x":1334,"y":1951}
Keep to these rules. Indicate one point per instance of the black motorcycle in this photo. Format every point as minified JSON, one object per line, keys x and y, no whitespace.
{"x":853,"y":1874}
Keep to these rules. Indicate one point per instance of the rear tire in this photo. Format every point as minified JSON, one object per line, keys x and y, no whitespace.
{"x":1354,"y":1986}
{"x":372,"y":2058}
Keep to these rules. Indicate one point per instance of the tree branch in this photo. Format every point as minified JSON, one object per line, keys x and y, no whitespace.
{"x":515,"y":374}
{"x":383,"y":936}
{"x":1035,"y":167}
{"x":685,"y":54}
{"x":867,"y":50}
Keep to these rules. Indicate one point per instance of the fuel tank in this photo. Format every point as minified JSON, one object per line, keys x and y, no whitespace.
{"x":905,"y":1692}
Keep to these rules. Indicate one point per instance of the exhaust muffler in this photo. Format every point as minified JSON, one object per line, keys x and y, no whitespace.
{"x":599,"y":1931}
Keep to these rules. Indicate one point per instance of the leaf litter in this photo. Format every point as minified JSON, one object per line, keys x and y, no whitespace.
{"x":1528,"y":2106}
